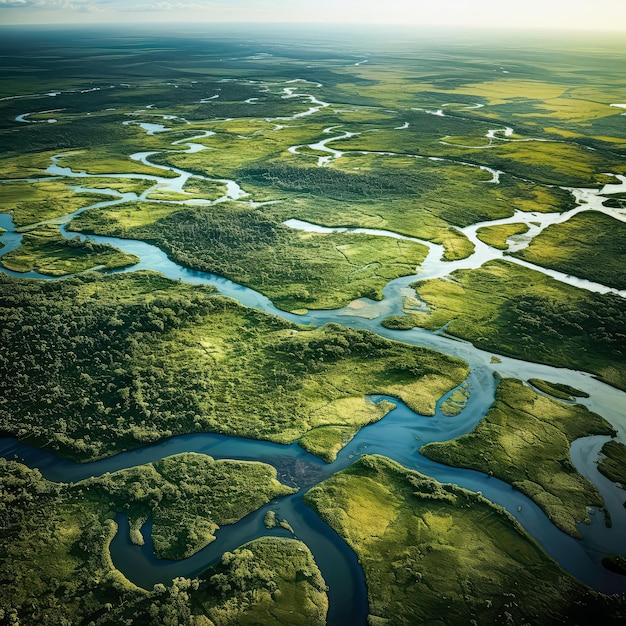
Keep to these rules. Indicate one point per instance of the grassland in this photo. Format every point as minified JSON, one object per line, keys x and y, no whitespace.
{"x":545,"y":162}
{"x":57,"y":568}
{"x":613,"y":462}
{"x":188,"y":496}
{"x":14,"y":168}
{"x":457,"y":401}
{"x":30,"y":202}
{"x":238,"y":143}
{"x":199,"y":188}
{"x":327,"y":441}
{"x":46,"y":251}
{"x":524,"y":440}
{"x":430,"y":550}
{"x":496,"y":236}
{"x":152,"y":357}
{"x":505,"y":308}
{"x":557,"y":390}
{"x":400,"y":215}
{"x":109,"y":160}
{"x":121,"y":185}
{"x":295,"y":270}
{"x":589,"y":245}
{"x":455,"y":193}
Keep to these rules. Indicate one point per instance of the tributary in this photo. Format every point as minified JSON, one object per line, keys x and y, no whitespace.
{"x":398,"y":436}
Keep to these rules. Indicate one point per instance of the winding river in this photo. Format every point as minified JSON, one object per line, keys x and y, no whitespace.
{"x":399,"y":435}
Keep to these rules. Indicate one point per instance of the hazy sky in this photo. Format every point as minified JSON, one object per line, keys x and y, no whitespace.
{"x":562,"y":14}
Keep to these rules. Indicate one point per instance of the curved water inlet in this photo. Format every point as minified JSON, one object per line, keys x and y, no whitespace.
{"x":399,"y":436}
{"x":323,"y":147}
{"x":24,"y":117}
{"x":584,"y":453}
{"x":290,"y":92}
{"x":150,"y":128}
{"x":340,"y":569}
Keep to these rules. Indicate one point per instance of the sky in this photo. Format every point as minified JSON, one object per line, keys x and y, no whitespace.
{"x":552,"y":14}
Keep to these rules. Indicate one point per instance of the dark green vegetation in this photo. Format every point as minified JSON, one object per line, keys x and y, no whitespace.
{"x":557,"y":390}
{"x":589,"y":245}
{"x":56,"y":567}
{"x":432,"y":551}
{"x":613,"y":462}
{"x":615,"y":201}
{"x":615,"y":563}
{"x":506,"y":308}
{"x":524,"y":440}
{"x":269,"y":581}
{"x":135,"y":357}
{"x":295,"y":269}
{"x":47,"y":252}
{"x":407,"y":194}
{"x":188,"y":497}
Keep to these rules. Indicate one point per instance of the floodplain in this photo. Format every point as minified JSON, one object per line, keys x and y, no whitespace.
{"x":284,"y":242}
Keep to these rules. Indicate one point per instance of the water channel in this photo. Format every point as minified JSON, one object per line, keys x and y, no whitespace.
{"x":398,"y":436}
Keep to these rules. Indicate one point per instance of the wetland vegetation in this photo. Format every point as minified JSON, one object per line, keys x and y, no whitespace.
{"x":44,"y":250}
{"x":431,"y":549}
{"x":137,"y":357}
{"x":57,"y":568}
{"x":517,"y":311}
{"x":524,"y":439}
{"x":589,"y":245}
{"x":188,"y":497}
{"x":296,"y":270}
{"x":425,"y":140}
{"x":496,"y":236}
{"x":613,"y":462}
{"x":558,"y":390}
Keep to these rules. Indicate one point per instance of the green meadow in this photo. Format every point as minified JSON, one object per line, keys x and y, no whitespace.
{"x":44,"y":250}
{"x":524,"y":440}
{"x":429,"y":549}
{"x":589,"y":245}
{"x":506,"y":308}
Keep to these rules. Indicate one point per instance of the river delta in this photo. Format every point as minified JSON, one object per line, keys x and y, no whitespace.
{"x":297,"y":258}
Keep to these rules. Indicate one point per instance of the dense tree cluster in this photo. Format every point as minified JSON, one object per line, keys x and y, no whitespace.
{"x":601,"y":320}
{"x":54,"y":543}
{"x":334,"y":343}
{"x":296,"y":270}
{"x":70,"y":368}
{"x":188,"y":496}
{"x":338,"y":184}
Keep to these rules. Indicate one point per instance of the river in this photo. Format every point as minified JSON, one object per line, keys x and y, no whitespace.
{"x":399,"y":435}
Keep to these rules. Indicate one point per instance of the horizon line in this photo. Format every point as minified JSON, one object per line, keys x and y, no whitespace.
{"x":524,"y":29}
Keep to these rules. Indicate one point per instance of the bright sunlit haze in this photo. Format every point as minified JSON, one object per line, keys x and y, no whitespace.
{"x":600,"y":15}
